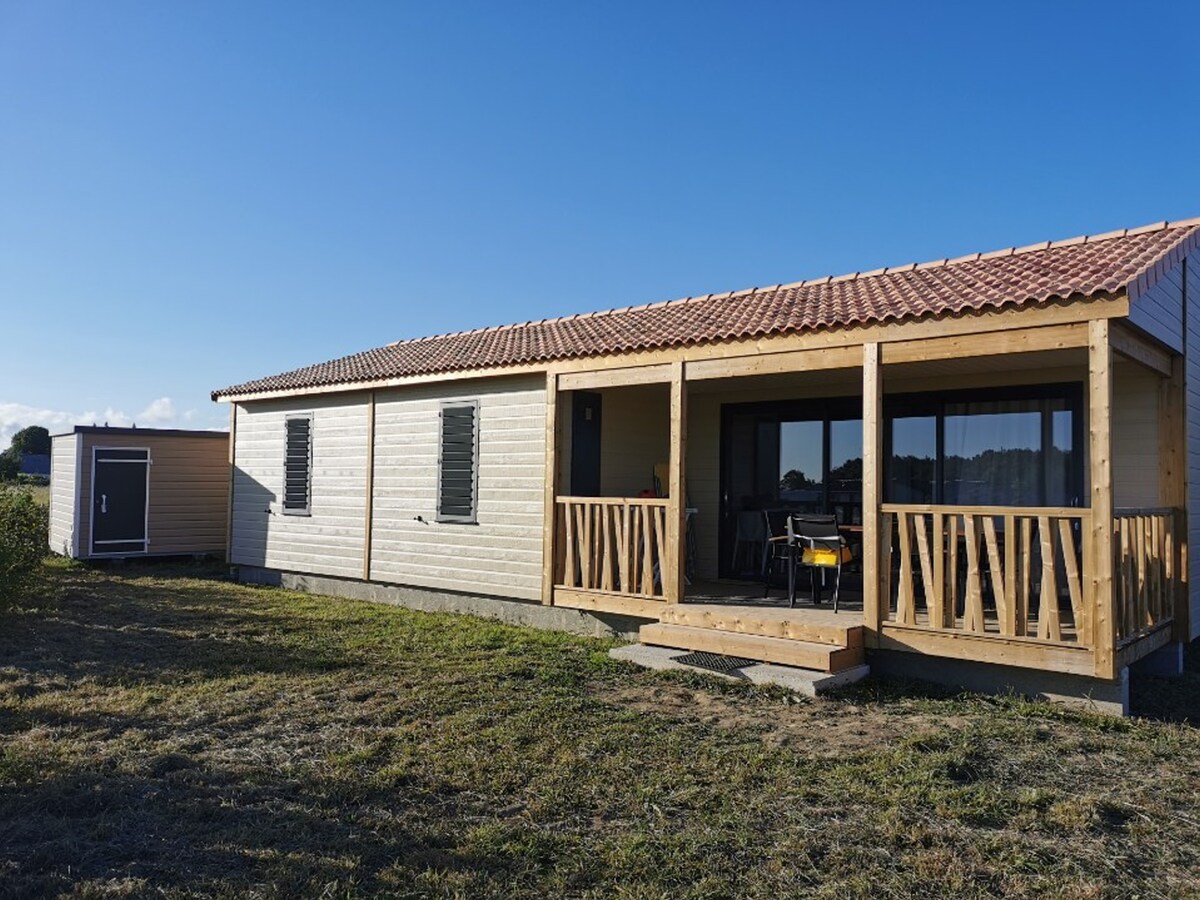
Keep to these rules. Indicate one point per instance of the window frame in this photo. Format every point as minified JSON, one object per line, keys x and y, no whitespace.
{"x":473,"y":517}
{"x":284,"y":509}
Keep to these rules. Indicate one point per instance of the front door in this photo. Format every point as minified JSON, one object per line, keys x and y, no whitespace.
{"x":119,"y":496}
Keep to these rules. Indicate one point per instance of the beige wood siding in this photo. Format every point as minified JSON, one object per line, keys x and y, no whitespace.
{"x":329,"y":541}
{"x":635,"y":435}
{"x":1159,"y":311}
{"x":64,"y":451}
{"x":189,"y":490}
{"x":1193,"y":435}
{"x":501,"y":554}
{"x":1135,"y":435}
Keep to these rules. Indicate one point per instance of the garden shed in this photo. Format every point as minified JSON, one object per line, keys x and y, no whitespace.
{"x":120,"y":492}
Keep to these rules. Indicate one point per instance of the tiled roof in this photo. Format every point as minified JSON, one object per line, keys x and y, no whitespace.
{"x":1102,"y":264}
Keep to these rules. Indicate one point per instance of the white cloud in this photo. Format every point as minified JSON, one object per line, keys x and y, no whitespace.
{"x":160,"y":410}
{"x":160,"y":413}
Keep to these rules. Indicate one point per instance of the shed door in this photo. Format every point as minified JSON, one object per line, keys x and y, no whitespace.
{"x":119,"y":497}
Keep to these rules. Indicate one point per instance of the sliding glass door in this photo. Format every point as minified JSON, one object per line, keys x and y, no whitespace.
{"x":1016,"y":447}
{"x":801,"y":456}
{"x":995,"y":447}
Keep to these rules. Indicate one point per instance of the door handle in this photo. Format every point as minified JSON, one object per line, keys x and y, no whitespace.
{"x":104,"y":503}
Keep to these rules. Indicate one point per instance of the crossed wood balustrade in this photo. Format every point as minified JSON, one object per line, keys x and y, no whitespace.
{"x":1146,"y":569}
{"x":611,"y":544}
{"x":987,"y":570}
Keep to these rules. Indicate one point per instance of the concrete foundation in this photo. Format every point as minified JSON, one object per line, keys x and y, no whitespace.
{"x":1111,"y":698}
{"x":511,"y":612}
{"x":1165,"y":662}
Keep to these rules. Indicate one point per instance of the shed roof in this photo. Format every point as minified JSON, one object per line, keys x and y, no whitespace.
{"x":1036,"y":275}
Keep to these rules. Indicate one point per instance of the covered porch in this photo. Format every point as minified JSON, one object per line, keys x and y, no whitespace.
{"x":996,"y":513}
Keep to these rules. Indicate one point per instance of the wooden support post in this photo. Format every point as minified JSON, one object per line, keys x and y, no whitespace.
{"x":232,"y":476}
{"x":1173,"y":490}
{"x":1102,"y":596}
{"x":675,"y":569}
{"x":370,"y":497}
{"x":872,"y":486}
{"x":550,"y":481}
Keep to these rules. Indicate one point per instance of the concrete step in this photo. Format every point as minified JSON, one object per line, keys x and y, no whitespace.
{"x":799,"y":681}
{"x":819,"y":626}
{"x":804,"y":654}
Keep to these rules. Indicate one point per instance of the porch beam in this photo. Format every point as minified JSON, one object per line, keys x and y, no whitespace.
{"x":816,"y":360}
{"x":550,"y":482}
{"x":872,"y":486}
{"x":1139,"y":349}
{"x":1173,"y":485}
{"x":615,"y":377}
{"x":674,"y":568}
{"x":1102,"y":597}
{"x":1018,"y":340}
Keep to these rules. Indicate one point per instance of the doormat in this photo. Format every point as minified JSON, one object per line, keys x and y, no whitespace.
{"x":715,"y":662}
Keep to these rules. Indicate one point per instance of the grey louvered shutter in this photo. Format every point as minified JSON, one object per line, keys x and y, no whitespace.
{"x":297,"y":466}
{"x":458,"y":462}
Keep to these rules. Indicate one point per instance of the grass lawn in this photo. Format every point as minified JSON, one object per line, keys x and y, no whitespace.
{"x":167,"y":732}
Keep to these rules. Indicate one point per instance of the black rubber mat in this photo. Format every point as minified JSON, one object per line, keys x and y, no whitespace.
{"x":715,"y":662}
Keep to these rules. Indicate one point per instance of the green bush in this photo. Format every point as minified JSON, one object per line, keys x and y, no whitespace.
{"x":24,"y":540}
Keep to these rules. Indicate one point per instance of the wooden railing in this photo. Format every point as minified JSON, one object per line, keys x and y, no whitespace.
{"x":1145,"y":569}
{"x":1013,"y":572}
{"x":611,"y":544}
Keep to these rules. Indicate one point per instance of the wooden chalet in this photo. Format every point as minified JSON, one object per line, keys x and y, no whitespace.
{"x":1006,"y":439}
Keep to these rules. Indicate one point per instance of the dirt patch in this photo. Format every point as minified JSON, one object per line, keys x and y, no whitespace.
{"x":819,"y":727}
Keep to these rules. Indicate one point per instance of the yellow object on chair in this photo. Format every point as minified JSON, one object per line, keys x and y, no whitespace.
{"x":824,"y":556}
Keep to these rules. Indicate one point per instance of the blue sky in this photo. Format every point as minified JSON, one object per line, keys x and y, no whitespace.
{"x":193,"y":194}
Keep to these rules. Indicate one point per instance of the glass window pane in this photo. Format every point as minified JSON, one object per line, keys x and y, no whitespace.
{"x":993,"y":453}
{"x":800,"y":464}
{"x":845,"y":470}
{"x":1060,"y":461}
{"x":912,"y":467}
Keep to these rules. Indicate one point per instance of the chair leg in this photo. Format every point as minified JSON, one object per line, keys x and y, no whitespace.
{"x":791,"y":564}
{"x":837,"y":586}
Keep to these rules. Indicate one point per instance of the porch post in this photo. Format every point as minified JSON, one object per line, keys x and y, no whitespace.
{"x":1172,"y":486}
{"x":872,"y":487}
{"x":675,"y":568}
{"x":549,"y":520}
{"x":1100,"y":389}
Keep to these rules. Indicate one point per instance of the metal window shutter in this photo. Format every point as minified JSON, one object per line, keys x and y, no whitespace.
{"x":457,"y":462}
{"x":297,"y":467}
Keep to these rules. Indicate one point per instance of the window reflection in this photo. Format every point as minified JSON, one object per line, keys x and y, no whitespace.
{"x":801,"y":469}
{"x":993,"y":454}
{"x":914,"y":459}
{"x":1005,"y":452}
{"x":845,"y":470}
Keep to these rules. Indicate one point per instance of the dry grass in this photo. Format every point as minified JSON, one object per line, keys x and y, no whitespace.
{"x":167,"y":732}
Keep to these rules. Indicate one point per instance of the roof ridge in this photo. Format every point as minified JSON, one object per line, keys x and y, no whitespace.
{"x":1165,"y":225}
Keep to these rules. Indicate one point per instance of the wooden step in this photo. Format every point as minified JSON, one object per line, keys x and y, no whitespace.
{"x":804,"y":654}
{"x":820,"y":626}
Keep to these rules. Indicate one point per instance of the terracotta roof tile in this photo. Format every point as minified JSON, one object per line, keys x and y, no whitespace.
{"x":1028,"y":276}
